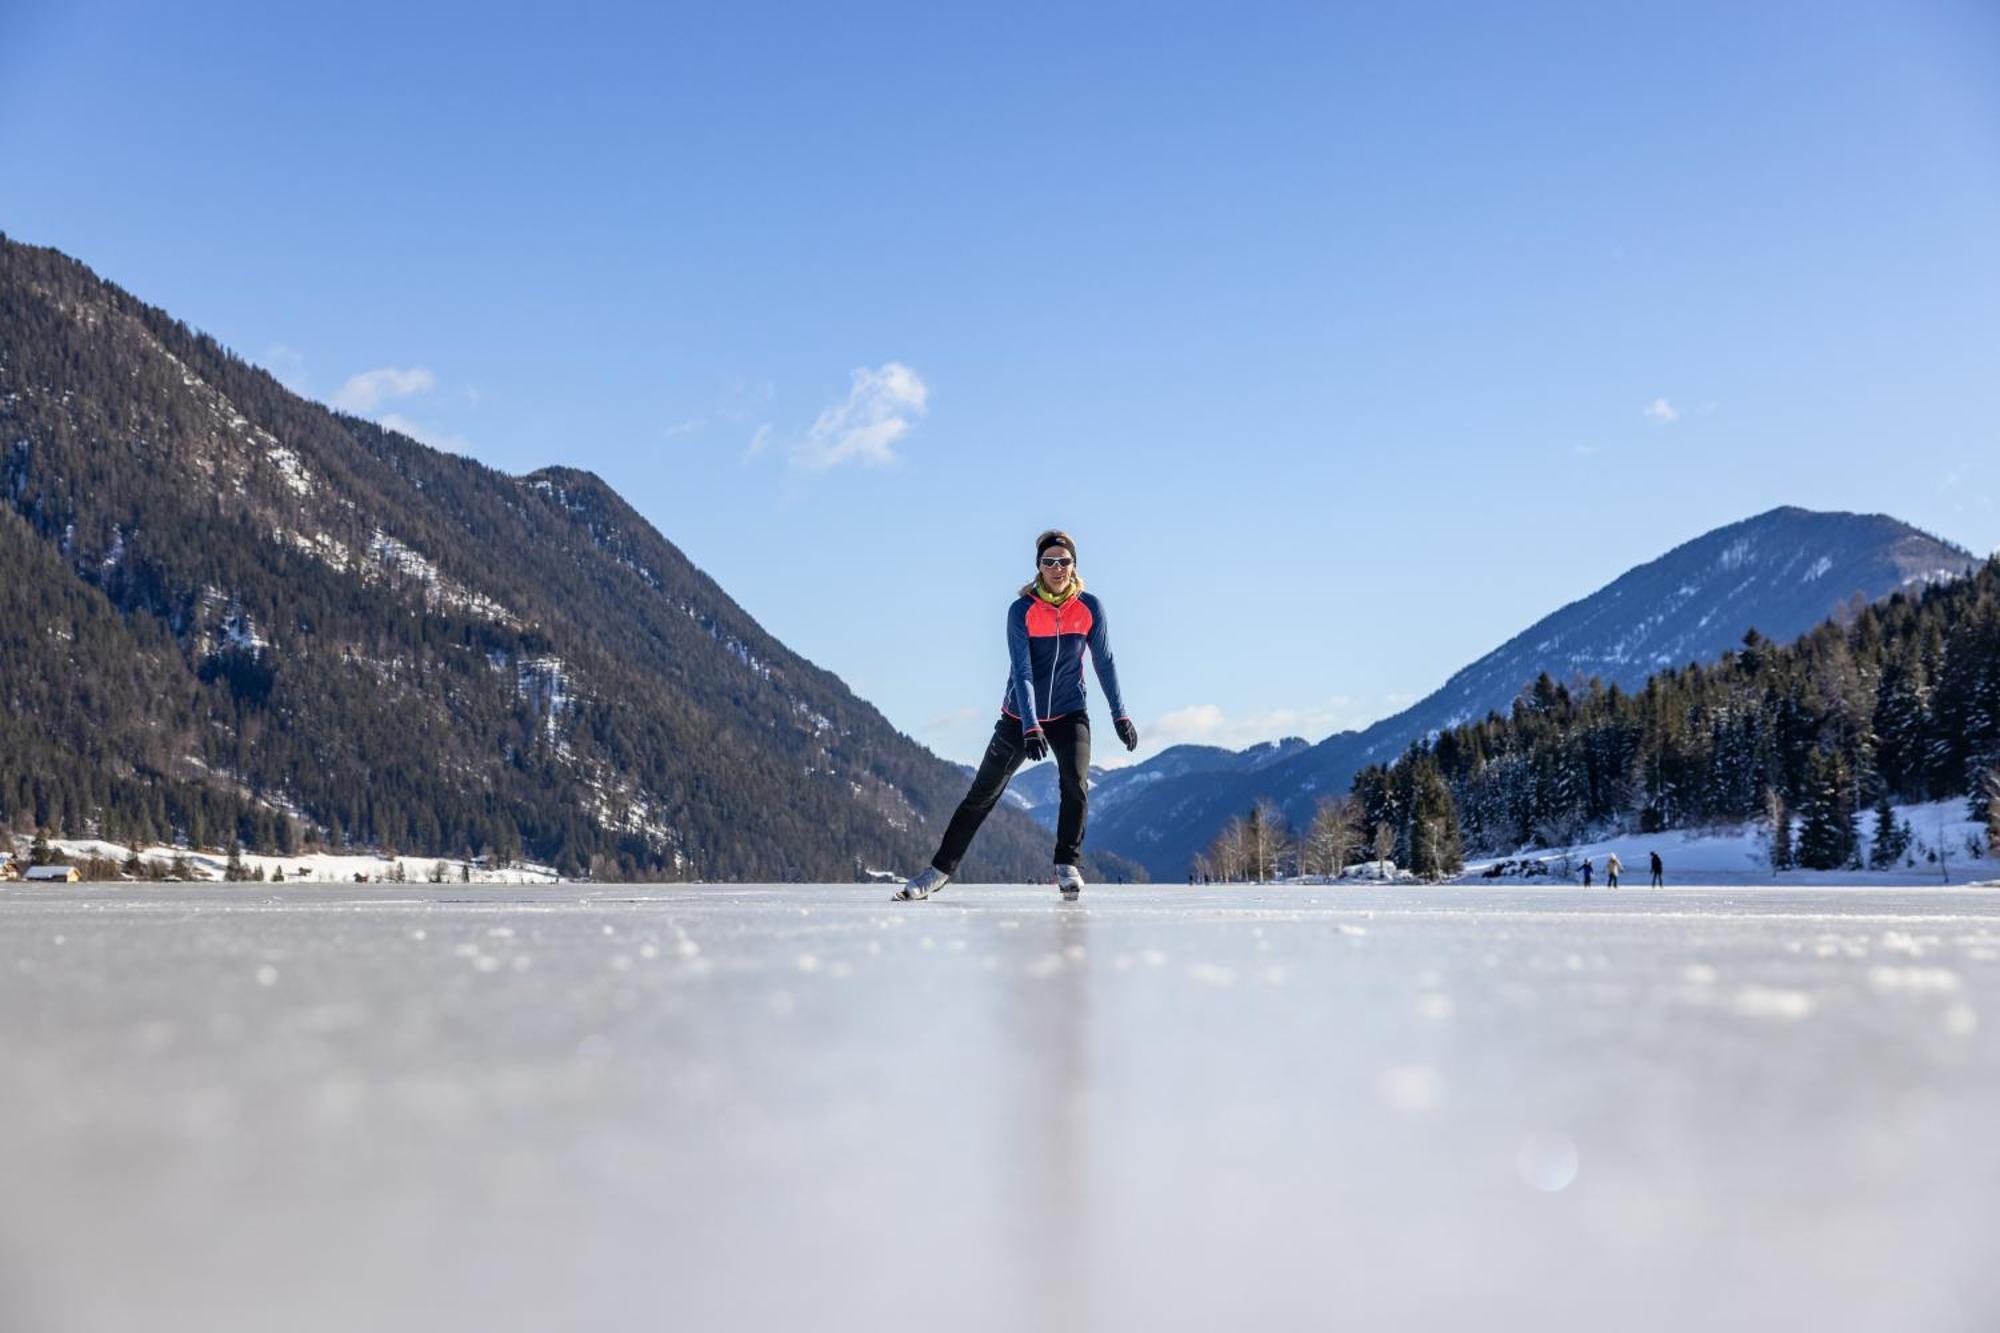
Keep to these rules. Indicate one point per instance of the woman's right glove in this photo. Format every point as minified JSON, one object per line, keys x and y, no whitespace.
{"x":1128,"y":733}
{"x":1037,"y":745}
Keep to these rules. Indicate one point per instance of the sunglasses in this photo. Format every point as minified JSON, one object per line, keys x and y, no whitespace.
{"x":1056,"y":562}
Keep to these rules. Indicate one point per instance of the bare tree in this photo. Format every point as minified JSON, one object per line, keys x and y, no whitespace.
{"x":1433,"y":834}
{"x":1384,"y":847}
{"x":1228,"y":853}
{"x":1333,"y":837}
{"x":1559,"y":833}
{"x":1266,"y":838}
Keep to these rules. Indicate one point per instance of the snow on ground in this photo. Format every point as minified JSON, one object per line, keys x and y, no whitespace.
{"x":310,"y":866}
{"x":1740,"y":854}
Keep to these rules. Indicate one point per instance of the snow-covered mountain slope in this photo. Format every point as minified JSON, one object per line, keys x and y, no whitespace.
{"x":1779,"y":573}
{"x":231,"y":614}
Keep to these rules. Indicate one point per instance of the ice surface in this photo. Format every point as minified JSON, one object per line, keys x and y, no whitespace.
{"x":441,"y":1107}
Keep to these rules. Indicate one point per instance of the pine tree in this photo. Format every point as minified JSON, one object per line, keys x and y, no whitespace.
{"x":1901,"y":707}
{"x":1434,"y":838}
{"x":1890,"y":841}
{"x":1780,"y":820}
{"x":1755,"y":649}
{"x":1827,"y":835}
{"x":1989,"y":788}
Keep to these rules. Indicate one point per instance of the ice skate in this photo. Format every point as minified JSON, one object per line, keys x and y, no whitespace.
{"x":922,"y":885}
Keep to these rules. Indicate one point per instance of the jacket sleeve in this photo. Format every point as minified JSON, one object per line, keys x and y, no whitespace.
{"x":1020,"y":670}
{"x":1100,"y":658}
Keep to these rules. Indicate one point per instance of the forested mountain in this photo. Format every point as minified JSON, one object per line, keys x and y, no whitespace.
{"x":230,"y":613}
{"x":1780,"y":573}
{"x":1899,"y":704}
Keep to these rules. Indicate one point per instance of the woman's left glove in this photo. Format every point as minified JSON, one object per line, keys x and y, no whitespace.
{"x":1128,"y":733}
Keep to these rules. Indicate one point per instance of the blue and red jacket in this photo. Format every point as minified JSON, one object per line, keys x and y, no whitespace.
{"x":1045,"y":647}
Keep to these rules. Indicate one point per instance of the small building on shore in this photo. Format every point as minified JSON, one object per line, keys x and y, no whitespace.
{"x":8,"y":870}
{"x":58,"y":874}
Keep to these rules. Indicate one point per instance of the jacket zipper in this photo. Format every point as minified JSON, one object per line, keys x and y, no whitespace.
{"x":1055,"y":659}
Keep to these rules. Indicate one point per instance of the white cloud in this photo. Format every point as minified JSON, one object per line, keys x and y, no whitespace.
{"x":371,"y":388}
{"x":865,"y":426}
{"x":1207,"y":724}
{"x":1661,"y":410}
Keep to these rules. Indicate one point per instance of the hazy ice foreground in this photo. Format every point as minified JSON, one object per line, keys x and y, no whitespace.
{"x":242,"y":1107}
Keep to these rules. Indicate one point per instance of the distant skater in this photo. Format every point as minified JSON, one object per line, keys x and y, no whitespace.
{"x":1659,"y":872}
{"x":1611,"y":869}
{"x":1586,"y":872}
{"x":1049,"y":625}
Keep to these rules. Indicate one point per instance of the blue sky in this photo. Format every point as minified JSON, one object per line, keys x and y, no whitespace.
{"x":1348,"y":340}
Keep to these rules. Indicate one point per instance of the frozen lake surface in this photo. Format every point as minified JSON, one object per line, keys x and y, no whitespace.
{"x":251,"y":1107}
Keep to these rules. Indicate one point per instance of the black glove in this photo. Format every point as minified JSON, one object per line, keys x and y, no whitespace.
{"x":1037,"y":745}
{"x":1128,"y":733}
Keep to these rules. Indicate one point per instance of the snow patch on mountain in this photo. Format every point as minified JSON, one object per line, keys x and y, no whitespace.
{"x":440,"y":592}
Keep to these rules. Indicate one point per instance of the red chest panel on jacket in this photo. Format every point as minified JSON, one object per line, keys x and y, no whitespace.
{"x":1072,"y":617}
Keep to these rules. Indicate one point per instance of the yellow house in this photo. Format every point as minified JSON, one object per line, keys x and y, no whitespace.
{"x":62,"y":874}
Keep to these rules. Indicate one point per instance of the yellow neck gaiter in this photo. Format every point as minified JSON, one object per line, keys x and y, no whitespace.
{"x":1039,"y":589}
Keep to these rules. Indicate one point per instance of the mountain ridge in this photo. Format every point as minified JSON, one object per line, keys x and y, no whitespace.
{"x":1780,"y":572}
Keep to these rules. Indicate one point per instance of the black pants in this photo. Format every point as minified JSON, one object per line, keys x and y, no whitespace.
{"x":1069,"y":738}
{"x":1659,"y":880}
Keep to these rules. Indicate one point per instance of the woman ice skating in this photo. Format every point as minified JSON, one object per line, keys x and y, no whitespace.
{"x":1612,"y":866}
{"x":1659,"y":871}
{"x":1049,"y":625}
